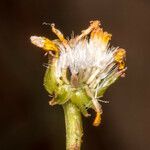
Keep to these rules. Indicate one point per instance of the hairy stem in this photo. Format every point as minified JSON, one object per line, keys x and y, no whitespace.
{"x":73,"y":123}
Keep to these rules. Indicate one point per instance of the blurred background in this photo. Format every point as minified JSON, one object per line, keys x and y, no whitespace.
{"x":27,"y":122}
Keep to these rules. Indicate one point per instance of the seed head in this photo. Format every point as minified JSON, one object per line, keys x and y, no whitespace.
{"x":82,"y":68}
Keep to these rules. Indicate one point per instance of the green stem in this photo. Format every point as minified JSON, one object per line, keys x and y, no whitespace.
{"x":73,"y":123}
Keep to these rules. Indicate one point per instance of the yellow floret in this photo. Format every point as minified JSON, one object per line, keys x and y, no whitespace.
{"x":119,"y":57}
{"x":97,"y":119}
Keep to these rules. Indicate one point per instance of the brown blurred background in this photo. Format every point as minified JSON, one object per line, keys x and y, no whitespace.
{"x":27,"y":122}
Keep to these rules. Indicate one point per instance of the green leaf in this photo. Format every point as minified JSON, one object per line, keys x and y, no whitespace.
{"x":63,"y":94}
{"x":50,"y":82}
{"x":81,"y":100}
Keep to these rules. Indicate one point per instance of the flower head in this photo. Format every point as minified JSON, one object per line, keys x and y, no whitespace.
{"x":82,"y":68}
